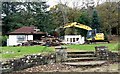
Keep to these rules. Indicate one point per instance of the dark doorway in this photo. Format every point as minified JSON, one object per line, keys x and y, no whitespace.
{"x":37,"y":36}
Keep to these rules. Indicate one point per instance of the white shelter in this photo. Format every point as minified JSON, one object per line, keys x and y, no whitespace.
{"x":74,"y":39}
{"x":24,"y":34}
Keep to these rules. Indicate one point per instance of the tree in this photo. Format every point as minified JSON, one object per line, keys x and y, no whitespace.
{"x":85,"y":20}
{"x":18,"y":14}
{"x":8,"y":8}
{"x":95,"y":21}
{"x":62,"y":14}
{"x":108,"y":13}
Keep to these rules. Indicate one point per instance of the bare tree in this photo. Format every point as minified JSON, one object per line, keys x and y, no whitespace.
{"x":75,"y":6}
{"x":64,"y":10}
{"x":98,"y":2}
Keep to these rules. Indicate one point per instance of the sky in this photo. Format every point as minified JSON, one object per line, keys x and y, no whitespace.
{"x":77,"y":2}
{"x":71,"y":2}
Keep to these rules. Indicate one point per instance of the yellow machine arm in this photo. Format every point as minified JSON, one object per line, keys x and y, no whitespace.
{"x":75,"y":24}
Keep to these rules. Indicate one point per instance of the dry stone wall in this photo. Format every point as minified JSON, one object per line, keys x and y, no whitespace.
{"x":26,"y":62}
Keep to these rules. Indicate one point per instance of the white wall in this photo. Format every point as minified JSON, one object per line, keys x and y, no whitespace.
{"x":30,"y":37}
{"x":13,"y":39}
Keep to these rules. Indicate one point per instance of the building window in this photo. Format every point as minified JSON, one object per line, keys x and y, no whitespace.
{"x":77,"y":39}
{"x":67,"y":39}
{"x":70,"y":39}
{"x":73,"y":39}
{"x":20,"y":38}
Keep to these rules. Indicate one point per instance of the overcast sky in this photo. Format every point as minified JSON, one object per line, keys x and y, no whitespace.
{"x":70,"y":2}
{"x":77,"y":2}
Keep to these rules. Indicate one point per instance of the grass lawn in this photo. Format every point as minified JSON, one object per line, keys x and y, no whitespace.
{"x":91,"y":47}
{"x":17,"y":52}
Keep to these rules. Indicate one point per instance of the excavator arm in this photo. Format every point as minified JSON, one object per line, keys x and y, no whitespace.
{"x":70,"y":25}
{"x":75,"y":24}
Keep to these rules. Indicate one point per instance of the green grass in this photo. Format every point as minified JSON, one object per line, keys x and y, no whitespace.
{"x":21,"y":51}
{"x":27,"y":50}
{"x":111,"y":46}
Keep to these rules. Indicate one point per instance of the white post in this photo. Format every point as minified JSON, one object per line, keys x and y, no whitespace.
{"x":75,"y":40}
{"x":83,"y":40}
{"x":7,"y":42}
{"x":72,"y":40}
{"x":68,"y":40}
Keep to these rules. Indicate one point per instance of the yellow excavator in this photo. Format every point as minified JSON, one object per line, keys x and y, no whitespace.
{"x":92,"y":35}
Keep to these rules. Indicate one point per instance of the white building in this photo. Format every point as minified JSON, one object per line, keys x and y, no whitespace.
{"x":24,"y":34}
{"x":74,"y":39}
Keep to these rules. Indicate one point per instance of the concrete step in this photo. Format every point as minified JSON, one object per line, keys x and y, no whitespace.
{"x":80,"y":55}
{"x":80,"y":59}
{"x":85,"y":63}
{"x":82,"y":52}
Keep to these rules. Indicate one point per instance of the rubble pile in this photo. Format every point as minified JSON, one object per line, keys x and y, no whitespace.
{"x":44,"y":41}
{"x":50,"y":41}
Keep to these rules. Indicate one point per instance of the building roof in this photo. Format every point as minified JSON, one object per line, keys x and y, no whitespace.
{"x":27,"y":30}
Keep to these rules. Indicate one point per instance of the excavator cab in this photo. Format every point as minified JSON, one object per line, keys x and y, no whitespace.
{"x":91,"y":34}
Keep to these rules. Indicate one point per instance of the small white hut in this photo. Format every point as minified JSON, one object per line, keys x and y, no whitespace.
{"x":74,"y":39}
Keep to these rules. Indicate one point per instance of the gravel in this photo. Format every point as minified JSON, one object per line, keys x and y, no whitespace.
{"x":65,"y":68}
{"x":49,"y":68}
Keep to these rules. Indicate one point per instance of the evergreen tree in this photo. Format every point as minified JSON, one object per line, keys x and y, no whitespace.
{"x":95,"y":21}
{"x":18,"y":14}
{"x":85,"y":20}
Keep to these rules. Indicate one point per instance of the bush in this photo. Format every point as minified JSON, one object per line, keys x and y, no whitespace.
{"x":3,"y":40}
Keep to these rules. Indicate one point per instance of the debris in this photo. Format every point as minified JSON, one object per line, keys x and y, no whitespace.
{"x":50,"y":41}
{"x":45,"y":41}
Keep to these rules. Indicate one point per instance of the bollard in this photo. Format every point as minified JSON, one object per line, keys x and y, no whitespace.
{"x":61,"y":54}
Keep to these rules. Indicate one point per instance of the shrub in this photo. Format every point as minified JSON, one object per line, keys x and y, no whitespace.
{"x":3,"y":40}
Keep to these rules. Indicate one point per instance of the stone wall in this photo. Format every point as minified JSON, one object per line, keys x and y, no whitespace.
{"x":26,"y":62}
{"x":103,"y":53}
